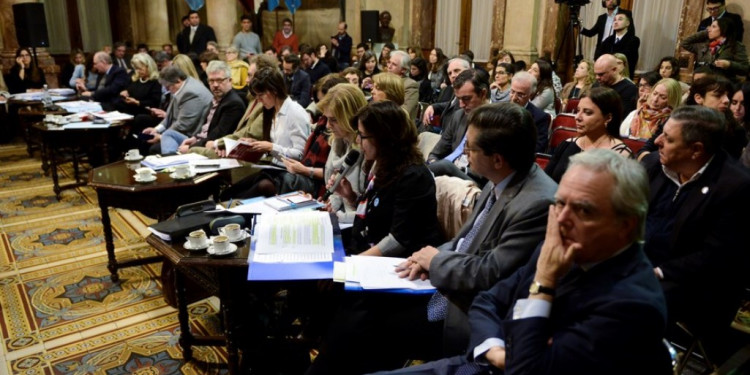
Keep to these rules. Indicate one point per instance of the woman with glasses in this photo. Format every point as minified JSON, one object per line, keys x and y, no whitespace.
{"x":500,"y":88}
{"x":25,"y":74}
{"x":239,"y":70}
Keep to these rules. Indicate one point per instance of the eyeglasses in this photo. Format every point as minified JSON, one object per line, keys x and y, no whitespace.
{"x":217,"y":80}
{"x":361,"y":137}
{"x":469,"y":148}
{"x":518,"y":94}
{"x":713,"y":9}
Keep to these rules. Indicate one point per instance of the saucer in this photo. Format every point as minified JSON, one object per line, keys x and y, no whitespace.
{"x":137,"y":158}
{"x":144,"y":180}
{"x":187,"y":246}
{"x":244,"y":235}
{"x":232,"y":250}
{"x":174,"y":176}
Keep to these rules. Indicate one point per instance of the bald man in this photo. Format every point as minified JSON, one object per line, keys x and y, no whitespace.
{"x":112,"y":80}
{"x":607,"y":75}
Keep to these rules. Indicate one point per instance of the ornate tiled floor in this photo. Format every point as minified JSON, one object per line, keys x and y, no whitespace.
{"x":60,"y":313}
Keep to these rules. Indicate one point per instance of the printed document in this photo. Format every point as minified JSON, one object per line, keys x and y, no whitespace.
{"x":299,"y":237}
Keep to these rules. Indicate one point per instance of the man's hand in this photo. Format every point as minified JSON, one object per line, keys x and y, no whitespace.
{"x":158,"y":112}
{"x":185,"y":145}
{"x":555,"y":259}
{"x":86,"y":93}
{"x":723,"y":64}
{"x":429,"y":112}
{"x":411,"y":270}
{"x":496,"y":357}
{"x":424,"y":256}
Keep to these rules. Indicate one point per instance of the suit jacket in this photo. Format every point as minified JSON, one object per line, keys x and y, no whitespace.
{"x":628,"y":46}
{"x":126,"y":59}
{"x":707,"y":249}
{"x":736,"y":54}
{"x":318,"y":72}
{"x":115,"y":81}
{"x":508,"y":237}
{"x":739,"y":28}
{"x":299,"y":87}
{"x":228,"y":113}
{"x":541,"y":120}
{"x":188,"y":109}
{"x":203,"y":35}
{"x":454,"y":124}
{"x":411,"y":97}
{"x":607,"y":320}
{"x":601,"y":23}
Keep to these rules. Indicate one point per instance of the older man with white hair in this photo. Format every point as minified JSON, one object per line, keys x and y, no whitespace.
{"x":522,"y":86}
{"x":115,"y":80}
{"x":399,"y":65}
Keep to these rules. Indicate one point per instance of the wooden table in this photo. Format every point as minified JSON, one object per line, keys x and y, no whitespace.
{"x":116,"y":187}
{"x":223,"y":272}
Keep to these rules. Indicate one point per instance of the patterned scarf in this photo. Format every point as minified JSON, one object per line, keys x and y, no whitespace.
{"x":716,"y":45}
{"x":647,"y":120}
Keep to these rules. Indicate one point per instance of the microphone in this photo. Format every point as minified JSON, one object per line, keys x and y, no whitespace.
{"x":351,"y":160}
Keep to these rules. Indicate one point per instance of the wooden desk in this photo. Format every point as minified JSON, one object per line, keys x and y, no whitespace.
{"x":207,"y":270}
{"x":116,"y":187}
{"x":57,"y":142}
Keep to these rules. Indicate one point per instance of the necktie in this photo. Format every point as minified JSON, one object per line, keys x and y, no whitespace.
{"x":617,"y":40}
{"x":438,"y":304}
{"x":458,"y":151}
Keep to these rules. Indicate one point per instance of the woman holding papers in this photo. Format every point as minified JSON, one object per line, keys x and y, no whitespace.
{"x":397,"y":212}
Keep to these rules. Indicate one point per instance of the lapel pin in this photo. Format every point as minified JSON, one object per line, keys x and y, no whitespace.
{"x":704,"y":190}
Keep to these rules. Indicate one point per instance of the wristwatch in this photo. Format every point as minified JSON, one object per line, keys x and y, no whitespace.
{"x":537,"y":288}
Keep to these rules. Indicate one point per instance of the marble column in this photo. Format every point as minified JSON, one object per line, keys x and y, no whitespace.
{"x":497,"y":40}
{"x":522,"y":30}
{"x":222,"y":16}
{"x":156,"y":20}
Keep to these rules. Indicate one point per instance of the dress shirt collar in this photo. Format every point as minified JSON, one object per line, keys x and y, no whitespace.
{"x":500,"y":187}
{"x":674,"y":176}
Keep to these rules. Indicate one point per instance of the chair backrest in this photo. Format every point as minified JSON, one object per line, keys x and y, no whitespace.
{"x":635,"y":144}
{"x":558,"y":136}
{"x":455,"y":201}
{"x":563,"y":120}
{"x":558,"y":105}
{"x":542,"y":159}
{"x":571,"y":106}
{"x":426,"y":141}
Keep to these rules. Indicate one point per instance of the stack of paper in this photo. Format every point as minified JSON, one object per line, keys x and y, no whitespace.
{"x":113,"y":116}
{"x":158,"y":163}
{"x":370,"y":272}
{"x":294,"y":237}
{"x":62,"y":92}
{"x":80,"y":106}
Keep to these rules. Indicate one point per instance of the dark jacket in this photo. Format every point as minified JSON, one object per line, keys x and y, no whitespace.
{"x":225,"y":120}
{"x":115,"y":81}
{"x":203,"y":35}
{"x":628,"y":46}
{"x":739,"y":28}
{"x":601,"y":23}
{"x":299,"y":87}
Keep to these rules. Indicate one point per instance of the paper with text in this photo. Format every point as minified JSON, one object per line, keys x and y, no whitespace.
{"x":306,"y":235}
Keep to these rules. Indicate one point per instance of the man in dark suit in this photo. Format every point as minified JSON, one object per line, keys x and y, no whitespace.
{"x":604,"y":26}
{"x":297,"y":81}
{"x":115,"y":80}
{"x":119,"y":56}
{"x":622,"y":41}
{"x":507,"y":223}
{"x":588,"y":301}
{"x":446,"y":108}
{"x":226,"y":109}
{"x":522,"y":86}
{"x":315,"y":68}
{"x":399,"y":64}
{"x":196,"y":36}
{"x":718,"y":9}
{"x":696,"y":225}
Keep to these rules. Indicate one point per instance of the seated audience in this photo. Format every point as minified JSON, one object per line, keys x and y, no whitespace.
{"x":498,"y":238}
{"x":239,"y":70}
{"x":418,"y":72}
{"x":695,"y":227}
{"x":205,"y":58}
{"x":352,"y":75}
{"x":144,"y":91}
{"x":500,"y":87}
{"x":587,"y":302}
{"x":25,"y":74}
{"x":186,"y":65}
{"x":246,"y":41}
{"x":522,"y":87}
{"x":737,"y":105}
{"x":436,"y":62}
{"x":385,"y":55}
{"x":718,"y":48}
{"x":369,"y":68}
{"x":645,"y":121}
{"x":596,"y":111}
{"x":296,"y":80}
{"x":607,"y":75}
{"x":113,"y":79}
{"x":669,"y":67}
{"x":388,"y":86}
{"x":187,"y":109}
{"x":450,"y":106}
{"x":77,"y":57}
{"x":222,"y":117}
{"x":583,"y":79}
{"x":84,"y":78}
{"x":285,"y":37}
{"x":646,"y":84}
{"x":544,"y":96}
{"x":399,"y":64}
{"x":313,"y":66}
{"x":325,"y":56}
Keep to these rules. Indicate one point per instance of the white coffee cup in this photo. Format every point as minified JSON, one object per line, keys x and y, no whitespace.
{"x":144,"y":173}
{"x":197,"y":239}
{"x":221,"y":244}
{"x":182,"y":170}
{"x":133,"y":154}
{"x":233,"y":231}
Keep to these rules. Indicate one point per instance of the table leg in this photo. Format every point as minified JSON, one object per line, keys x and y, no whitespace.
{"x":186,"y":337}
{"x":53,"y":168}
{"x":108,"y":240}
{"x":227,"y":308}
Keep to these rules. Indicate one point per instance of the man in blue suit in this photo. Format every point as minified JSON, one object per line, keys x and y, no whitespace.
{"x":588,"y":302}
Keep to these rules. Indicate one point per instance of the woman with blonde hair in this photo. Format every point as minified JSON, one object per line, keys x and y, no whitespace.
{"x":388,"y":86}
{"x":623,"y":65}
{"x":186,"y":65}
{"x":642,"y":123}
{"x":144,"y":89}
{"x":583,"y":79}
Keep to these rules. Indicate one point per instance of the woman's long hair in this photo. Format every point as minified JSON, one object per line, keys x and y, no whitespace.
{"x":33,"y":68}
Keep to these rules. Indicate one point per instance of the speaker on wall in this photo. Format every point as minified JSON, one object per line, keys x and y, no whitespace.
{"x":31,"y":25}
{"x":370,"y":25}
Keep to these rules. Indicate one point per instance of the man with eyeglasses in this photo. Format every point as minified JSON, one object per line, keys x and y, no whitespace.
{"x":522,"y":85}
{"x":447,"y":157}
{"x":190,"y":102}
{"x":717,"y":9}
{"x":226,"y":110}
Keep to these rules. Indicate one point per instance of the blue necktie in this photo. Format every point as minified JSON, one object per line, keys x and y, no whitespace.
{"x":438,"y":304}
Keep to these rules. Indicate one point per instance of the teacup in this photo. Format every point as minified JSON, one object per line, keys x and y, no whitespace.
{"x":221,"y":244}
{"x":232,"y":231}
{"x":197,"y":239}
{"x":182,"y":170}
{"x":144,"y":173}
{"x":133,"y":154}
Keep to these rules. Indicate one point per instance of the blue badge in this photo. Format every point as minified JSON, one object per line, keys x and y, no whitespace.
{"x":376,"y":202}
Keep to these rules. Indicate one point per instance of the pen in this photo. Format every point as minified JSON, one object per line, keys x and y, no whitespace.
{"x":230,"y":203}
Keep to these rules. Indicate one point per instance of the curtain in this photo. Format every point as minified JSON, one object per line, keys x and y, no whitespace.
{"x":56,"y":14}
{"x":481,"y":29}
{"x":658,"y":33}
{"x":447,"y":24}
{"x":589,"y":13}
{"x":96,"y":31}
